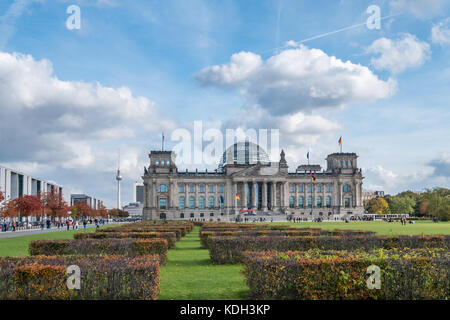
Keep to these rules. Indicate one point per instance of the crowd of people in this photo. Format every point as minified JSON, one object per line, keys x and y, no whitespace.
{"x":74,"y":224}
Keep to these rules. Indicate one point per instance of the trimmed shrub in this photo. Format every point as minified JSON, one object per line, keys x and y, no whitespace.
{"x":337,"y":275}
{"x":227,"y":250}
{"x":169,"y":236}
{"x":294,"y":232}
{"x":132,"y":247}
{"x":102,"y":277}
{"x":178,"y":233}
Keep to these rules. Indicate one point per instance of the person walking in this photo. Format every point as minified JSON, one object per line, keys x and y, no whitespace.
{"x":13,"y":224}
{"x":84,"y":224}
{"x":42,"y":224}
{"x":68,"y":224}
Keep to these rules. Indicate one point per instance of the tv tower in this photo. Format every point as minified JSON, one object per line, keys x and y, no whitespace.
{"x":118,"y":178}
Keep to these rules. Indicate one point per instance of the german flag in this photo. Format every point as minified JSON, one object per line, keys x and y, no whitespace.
{"x":312,"y":177}
{"x":237,"y":197}
{"x":340,"y":141}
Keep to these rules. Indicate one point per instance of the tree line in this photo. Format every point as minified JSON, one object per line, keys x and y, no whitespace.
{"x":53,"y":206}
{"x":433,"y":203}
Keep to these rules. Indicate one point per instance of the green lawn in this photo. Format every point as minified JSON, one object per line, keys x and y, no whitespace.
{"x":189,"y":273}
{"x":18,"y":246}
{"x":380,"y":227}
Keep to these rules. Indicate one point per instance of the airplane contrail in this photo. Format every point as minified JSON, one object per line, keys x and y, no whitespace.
{"x":330,"y":33}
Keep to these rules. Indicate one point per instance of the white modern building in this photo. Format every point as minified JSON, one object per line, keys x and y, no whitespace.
{"x":94,"y":203}
{"x":14,"y":184}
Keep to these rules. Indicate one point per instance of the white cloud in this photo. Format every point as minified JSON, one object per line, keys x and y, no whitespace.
{"x":400,"y":54}
{"x":440,"y":33}
{"x":296,"y":80}
{"x":47,"y":119}
{"x":422,"y":9}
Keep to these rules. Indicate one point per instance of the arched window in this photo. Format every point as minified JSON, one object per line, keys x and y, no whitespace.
{"x":300,"y":202}
{"x":309,"y":202}
{"x":328,"y":201}
{"x":163,"y":188}
{"x":162,"y":203}
{"x":346,"y":188}
{"x":201,"y":202}
{"x":291,"y":202}
{"x":191,"y":202}
{"x":319,"y":202}
{"x":211,"y":202}
{"x":182,"y":203}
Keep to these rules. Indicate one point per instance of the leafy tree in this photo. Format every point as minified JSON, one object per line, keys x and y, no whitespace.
{"x":438,"y":203}
{"x":81,"y":209}
{"x":9,"y":210}
{"x":102,"y":212}
{"x":54,"y":205}
{"x":2,"y":196}
{"x":401,"y":204}
{"x":117,"y":213}
{"x":28,"y":205}
{"x":378,"y":206}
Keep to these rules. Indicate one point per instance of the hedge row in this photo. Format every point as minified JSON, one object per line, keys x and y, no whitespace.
{"x":102,"y":277}
{"x":132,"y":247}
{"x":227,"y":250}
{"x":319,"y":275}
{"x":178,"y":233}
{"x":169,"y":236}
{"x":294,"y":232}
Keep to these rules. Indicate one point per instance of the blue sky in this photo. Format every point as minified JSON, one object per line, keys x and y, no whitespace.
{"x":70,"y":99}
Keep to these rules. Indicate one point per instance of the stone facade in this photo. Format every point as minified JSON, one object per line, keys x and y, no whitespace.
{"x":237,"y":188}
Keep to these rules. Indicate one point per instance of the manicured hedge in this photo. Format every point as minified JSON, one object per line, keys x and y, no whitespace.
{"x":295,"y":232}
{"x":132,"y":247}
{"x":225,"y":250}
{"x":169,"y":236}
{"x":333,"y":275}
{"x":102,"y":277}
{"x":178,"y":232}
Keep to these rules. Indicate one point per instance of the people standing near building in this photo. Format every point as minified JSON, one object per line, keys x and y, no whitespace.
{"x":13,"y":225}
{"x":84,"y":224}
{"x":68,"y":224}
{"x":42,"y":224}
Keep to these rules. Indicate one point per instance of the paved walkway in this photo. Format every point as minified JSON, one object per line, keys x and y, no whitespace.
{"x":26,"y":232}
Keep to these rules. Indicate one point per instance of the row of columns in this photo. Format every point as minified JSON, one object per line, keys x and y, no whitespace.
{"x":278,"y":197}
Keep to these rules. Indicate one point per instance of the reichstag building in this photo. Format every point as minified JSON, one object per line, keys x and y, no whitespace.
{"x":246,"y":182}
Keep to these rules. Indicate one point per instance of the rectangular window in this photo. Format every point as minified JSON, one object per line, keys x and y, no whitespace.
{"x":211,"y":188}
{"x":309,"y":188}
{"x":300,"y":202}
{"x":347,"y":202}
{"x":182,"y":203}
{"x":319,"y":188}
{"x":162,"y":203}
{"x":181,"y":189}
{"x":191,"y":189}
{"x":300,"y":188}
{"x":291,"y":189}
{"x":328,"y":188}
{"x":309,"y":202}
{"x":221,"y":189}
{"x":202,"y":188}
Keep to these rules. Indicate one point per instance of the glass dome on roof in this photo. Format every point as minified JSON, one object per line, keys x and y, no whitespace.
{"x":244,"y":153}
